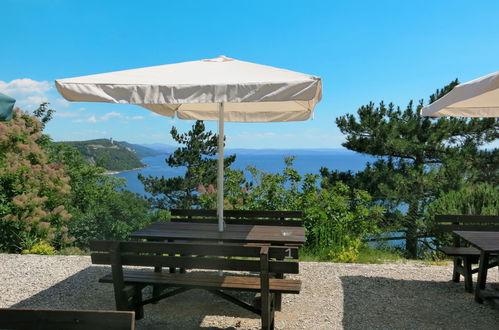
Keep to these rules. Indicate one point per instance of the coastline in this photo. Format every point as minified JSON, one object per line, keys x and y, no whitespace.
{"x":117,"y":172}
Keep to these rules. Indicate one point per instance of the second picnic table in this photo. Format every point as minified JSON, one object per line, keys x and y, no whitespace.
{"x":487,"y":243}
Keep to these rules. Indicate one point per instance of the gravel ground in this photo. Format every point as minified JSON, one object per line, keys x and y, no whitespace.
{"x":409,"y":295}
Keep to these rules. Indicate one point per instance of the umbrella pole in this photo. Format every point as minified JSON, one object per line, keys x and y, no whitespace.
{"x":220,"y":175}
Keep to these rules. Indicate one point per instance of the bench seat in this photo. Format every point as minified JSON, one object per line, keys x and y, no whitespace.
{"x":461,"y":251}
{"x":208,"y":282}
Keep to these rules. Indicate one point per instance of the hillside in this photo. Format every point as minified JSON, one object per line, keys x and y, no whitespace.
{"x":111,"y":155}
{"x":141,"y":151}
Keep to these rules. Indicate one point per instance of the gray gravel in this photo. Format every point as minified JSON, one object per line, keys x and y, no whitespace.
{"x":409,"y":295}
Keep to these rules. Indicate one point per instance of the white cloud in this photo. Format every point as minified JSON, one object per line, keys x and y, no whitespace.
{"x":137,"y":117}
{"x":110,"y":115}
{"x":92,"y":119}
{"x":24,"y":86}
{"x":28,"y":92}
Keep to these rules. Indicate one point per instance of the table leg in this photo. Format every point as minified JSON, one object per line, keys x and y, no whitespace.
{"x":482,"y":275}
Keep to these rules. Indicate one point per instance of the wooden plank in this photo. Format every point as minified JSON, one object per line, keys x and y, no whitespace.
{"x":197,"y":263}
{"x":244,"y":283}
{"x":256,"y":222}
{"x":467,"y":227}
{"x":227,"y":250}
{"x":275,"y":235}
{"x":460,"y":251}
{"x":467,"y":218}
{"x":266,"y":297}
{"x":238,"y":213}
{"x":46,"y":319}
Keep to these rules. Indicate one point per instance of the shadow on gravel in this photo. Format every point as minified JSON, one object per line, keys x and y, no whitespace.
{"x":385,"y":303}
{"x":184,"y":311}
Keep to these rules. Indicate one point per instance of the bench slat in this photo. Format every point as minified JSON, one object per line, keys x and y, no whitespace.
{"x":470,"y":227}
{"x":239,"y":213}
{"x":194,"y":262}
{"x":207,"y":249}
{"x":208,"y":281}
{"x":467,"y":218}
{"x":46,"y":319}
{"x":460,"y":251}
{"x":246,"y":221}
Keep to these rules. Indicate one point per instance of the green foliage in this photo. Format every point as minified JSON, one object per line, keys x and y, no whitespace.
{"x":40,"y":248}
{"x":32,"y":187}
{"x":101,"y":208}
{"x":111,"y":155}
{"x":197,"y":156}
{"x":139,"y":150}
{"x":420,"y":157}
{"x":335,"y":218}
{"x":72,"y":251}
{"x":477,"y":199}
{"x":48,"y":194}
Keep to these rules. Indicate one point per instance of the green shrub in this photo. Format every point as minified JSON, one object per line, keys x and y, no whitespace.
{"x":336,"y":218}
{"x":40,"y":248}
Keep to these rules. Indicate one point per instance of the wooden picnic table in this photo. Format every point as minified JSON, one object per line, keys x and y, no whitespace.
{"x":233,"y":233}
{"x":487,"y":242}
{"x":171,"y":231}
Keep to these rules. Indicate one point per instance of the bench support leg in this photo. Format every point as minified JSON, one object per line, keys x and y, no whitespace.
{"x":267,"y":311}
{"x":455,"y":273}
{"x":468,"y":276}
{"x":156,"y":289}
{"x":278,"y":296}
{"x":137,"y":302}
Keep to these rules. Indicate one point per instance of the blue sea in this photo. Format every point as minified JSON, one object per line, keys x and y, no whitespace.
{"x":270,"y":161}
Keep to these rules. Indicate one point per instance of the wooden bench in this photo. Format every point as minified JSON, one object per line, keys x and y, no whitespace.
{"x":240,"y":217}
{"x":465,"y":257}
{"x":50,"y":319}
{"x":128,"y":284}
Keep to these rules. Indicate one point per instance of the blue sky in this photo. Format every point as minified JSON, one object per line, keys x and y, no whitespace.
{"x":363,"y":50}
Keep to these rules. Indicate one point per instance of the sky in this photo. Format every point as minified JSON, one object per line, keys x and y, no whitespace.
{"x":363,"y":50}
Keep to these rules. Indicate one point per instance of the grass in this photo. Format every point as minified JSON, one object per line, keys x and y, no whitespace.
{"x":367,"y":255}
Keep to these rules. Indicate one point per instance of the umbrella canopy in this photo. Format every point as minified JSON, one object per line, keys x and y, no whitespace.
{"x":476,"y":98}
{"x":6,"y":106}
{"x":193,"y":90}
{"x":220,"y":89}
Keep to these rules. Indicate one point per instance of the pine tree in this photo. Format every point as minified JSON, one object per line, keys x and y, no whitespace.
{"x":197,"y":156}
{"x":418,"y":155}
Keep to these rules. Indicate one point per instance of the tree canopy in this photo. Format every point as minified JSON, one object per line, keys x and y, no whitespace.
{"x":419,"y":157}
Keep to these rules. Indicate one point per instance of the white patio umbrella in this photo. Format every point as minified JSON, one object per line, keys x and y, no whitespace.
{"x":220,"y":89}
{"x":476,"y":98}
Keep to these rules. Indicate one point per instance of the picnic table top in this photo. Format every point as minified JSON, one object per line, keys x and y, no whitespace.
{"x":487,"y":241}
{"x":278,"y":235}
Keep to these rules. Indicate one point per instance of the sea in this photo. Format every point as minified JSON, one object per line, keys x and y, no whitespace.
{"x":270,"y":161}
